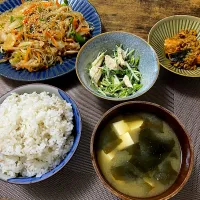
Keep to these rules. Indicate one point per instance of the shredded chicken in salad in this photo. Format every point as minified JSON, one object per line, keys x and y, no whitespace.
{"x":37,"y":34}
{"x":116,"y":75}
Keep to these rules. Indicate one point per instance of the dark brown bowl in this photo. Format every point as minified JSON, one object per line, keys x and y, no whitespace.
{"x":181,"y":133}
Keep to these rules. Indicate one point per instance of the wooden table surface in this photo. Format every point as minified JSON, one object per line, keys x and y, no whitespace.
{"x":135,"y":16}
{"x":138,"y":16}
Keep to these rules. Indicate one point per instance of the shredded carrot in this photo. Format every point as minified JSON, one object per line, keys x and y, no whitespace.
{"x":84,"y":30}
{"x":75,"y":23}
{"x":19,"y":35}
{"x":46,"y":4}
{"x":25,"y":20}
{"x":22,"y":1}
{"x":30,"y":9}
{"x":57,"y":3}
{"x":52,"y":39}
{"x":27,"y":54}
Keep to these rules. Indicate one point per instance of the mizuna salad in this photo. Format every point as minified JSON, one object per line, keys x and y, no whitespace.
{"x":37,"y":34}
{"x":116,"y":75}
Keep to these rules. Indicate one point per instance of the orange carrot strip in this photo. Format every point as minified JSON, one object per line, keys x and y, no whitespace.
{"x":27,"y":54}
{"x":198,"y":59}
{"x":52,"y":39}
{"x":85,"y":30}
{"x":25,"y":20}
{"x":75,"y":23}
{"x":19,"y":36}
{"x":57,"y":3}
{"x":46,"y":4}
{"x":30,"y":9}
{"x":22,"y":1}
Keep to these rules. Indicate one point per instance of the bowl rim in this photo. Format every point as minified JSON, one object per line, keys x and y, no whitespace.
{"x":110,"y":98}
{"x":103,"y":179}
{"x":162,"y":21}
{"x":78,"y":141}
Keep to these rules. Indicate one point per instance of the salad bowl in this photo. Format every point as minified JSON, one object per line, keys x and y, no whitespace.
{"x":106,"y":42}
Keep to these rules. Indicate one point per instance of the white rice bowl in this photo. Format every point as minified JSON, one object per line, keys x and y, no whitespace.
{"x":35,"y":133}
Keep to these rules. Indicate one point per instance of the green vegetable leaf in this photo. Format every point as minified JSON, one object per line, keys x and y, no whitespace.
{"x":20,"y":18}
{"x":133,"y":75}
{"x":111,"y":83}
{"x":130,"y":53}
{"x":11,"y":19}
{"x":80,"y":39}
{"x":72,"y":33}
{"x":31,"y":29}
{"x":71,"y":20}
{"x":136,"y":86}
{"x":137,"y":60}
{"x":66,"y":2}
{"x":20,"y":26}
{"x":132,"y":61}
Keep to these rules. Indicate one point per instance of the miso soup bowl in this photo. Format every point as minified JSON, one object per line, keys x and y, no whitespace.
{"x":175,"y":124}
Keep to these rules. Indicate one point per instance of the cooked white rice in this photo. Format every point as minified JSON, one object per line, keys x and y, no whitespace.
{"x":35,"y":133}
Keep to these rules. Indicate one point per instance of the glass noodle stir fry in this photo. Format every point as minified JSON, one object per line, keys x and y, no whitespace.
{"x":116,"y":75}
{"x":37,"y":34}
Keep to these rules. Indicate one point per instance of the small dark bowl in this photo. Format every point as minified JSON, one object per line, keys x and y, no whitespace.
{"x":181,"y":133}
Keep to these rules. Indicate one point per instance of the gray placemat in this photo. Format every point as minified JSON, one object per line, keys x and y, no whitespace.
{"x":78,"y":180}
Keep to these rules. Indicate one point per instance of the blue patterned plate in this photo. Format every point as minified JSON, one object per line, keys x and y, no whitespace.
{"x":90,"y":14}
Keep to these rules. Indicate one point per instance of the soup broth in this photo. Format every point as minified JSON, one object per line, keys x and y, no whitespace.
{"x":139,"y":154}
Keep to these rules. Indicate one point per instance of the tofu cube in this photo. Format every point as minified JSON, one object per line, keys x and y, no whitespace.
{"x":120,"y":127}
{"x":126,"y":141}
{"x":108,"y":157}
{"x":134,"y":133}
{"x":135,"y":123}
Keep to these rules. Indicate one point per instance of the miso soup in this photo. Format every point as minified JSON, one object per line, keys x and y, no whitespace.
{"x":139,"y":154}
